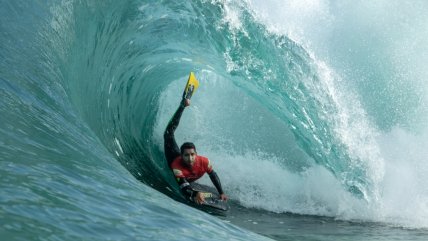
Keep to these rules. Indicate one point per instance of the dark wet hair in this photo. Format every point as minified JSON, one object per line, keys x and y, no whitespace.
{"x":187,"y":145}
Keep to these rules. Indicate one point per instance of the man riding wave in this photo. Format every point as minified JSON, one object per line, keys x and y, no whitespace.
{"x":185,"y":163}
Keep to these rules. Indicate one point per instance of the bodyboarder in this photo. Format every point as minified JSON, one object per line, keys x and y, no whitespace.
{"x":185,"y":163}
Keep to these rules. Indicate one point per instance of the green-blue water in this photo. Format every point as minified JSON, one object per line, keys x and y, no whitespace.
{"x":314,"y":114}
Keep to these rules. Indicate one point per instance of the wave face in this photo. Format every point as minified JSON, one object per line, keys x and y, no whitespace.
{"x":314,"y":107}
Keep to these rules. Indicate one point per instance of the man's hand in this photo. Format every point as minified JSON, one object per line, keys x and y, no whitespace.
{"x":199,"y":199}
{"x":223,"y":197}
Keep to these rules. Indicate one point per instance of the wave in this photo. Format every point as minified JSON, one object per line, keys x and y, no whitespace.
{"x":289,"y":125}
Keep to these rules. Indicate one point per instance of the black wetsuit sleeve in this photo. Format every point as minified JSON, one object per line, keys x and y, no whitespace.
{"x":170,"y":146}
{"x":186,"y":189}
{"x":216,"y":181}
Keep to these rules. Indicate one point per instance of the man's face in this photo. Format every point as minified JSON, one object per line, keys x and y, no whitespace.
{"x":189,"y":156}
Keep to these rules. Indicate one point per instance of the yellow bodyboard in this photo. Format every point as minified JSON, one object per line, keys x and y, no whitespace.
{"x":191,"y":86}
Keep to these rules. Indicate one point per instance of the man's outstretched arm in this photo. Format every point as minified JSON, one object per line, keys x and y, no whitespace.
{"x":216,"y":181}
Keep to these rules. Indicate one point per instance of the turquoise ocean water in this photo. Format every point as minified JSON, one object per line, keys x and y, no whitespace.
{"x":314,"y":114}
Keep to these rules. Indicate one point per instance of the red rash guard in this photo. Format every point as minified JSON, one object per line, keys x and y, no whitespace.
{"x":201,"y":166}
